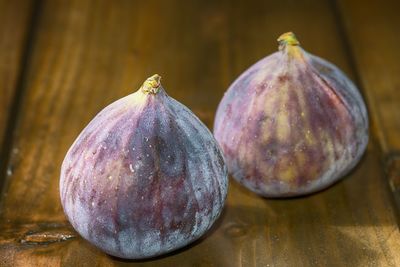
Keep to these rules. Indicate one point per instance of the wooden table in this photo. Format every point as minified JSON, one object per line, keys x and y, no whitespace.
{"x":62,"y":61}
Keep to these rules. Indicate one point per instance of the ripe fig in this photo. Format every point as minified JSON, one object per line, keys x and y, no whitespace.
{"x":291,"y":124}
{"x":145,"y":177}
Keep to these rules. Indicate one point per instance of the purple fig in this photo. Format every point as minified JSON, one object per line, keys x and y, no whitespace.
{"x":291,"y":124}
{"x":145,"y":177}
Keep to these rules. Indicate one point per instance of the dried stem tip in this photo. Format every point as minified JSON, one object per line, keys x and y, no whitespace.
{"x":287,"y":39}
{"x":152,"y":84}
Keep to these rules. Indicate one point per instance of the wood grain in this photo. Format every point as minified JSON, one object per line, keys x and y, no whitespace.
{"x":373,"y":32}
{"x":14,"y":19}
{"x":374,"y":36}
{"x":89,"y":53}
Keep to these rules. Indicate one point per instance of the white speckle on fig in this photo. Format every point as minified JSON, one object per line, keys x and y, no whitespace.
{"x":131,"y":168}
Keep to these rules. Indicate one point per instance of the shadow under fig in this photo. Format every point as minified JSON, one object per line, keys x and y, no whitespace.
{"x":316,"y":227}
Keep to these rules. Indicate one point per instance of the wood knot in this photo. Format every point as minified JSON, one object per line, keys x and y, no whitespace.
{"x":236,"y":230}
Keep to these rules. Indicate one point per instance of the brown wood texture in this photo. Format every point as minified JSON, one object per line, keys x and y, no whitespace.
{"x":89,"y":53}
{"x":14,"y":25}
{"x":373,"y":34}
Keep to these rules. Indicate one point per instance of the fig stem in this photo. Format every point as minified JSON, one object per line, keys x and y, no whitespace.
{"x":287,"y":39}
{"x":152,"y":84}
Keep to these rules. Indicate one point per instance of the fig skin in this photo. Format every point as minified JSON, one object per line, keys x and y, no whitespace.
{"x":145,"y":177}
{"x":291,"y":124}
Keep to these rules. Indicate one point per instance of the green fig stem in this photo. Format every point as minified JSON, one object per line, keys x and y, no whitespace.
{"x":152,"y":84}
{"x":287,"y":39}
{"x":289,"y":44}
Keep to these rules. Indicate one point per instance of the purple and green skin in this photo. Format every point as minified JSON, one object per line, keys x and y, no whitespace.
{"x":145,"y":177}
{"x":291,"y":124}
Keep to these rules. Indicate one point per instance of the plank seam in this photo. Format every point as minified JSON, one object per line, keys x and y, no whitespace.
{"x":353,"y":67}
{"x":388,"y":160}
{"x":15,"y":107}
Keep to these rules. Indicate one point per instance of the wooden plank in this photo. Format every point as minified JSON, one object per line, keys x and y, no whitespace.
{"x":88,"y":53}
{"x":373,"y":34}
{"x":14,"y":19}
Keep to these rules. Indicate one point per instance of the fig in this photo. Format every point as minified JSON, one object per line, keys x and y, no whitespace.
{"x":291,"y":124}
{"x":144,"y":177}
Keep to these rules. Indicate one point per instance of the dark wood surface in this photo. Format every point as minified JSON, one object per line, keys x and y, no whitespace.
{"x":82,"y":55}
{"x":375,"y":51}
{"x":14,"y":27}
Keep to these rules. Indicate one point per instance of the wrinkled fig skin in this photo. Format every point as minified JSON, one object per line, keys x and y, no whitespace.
{"x":145,"y":177}
{"x":291,"y":124}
